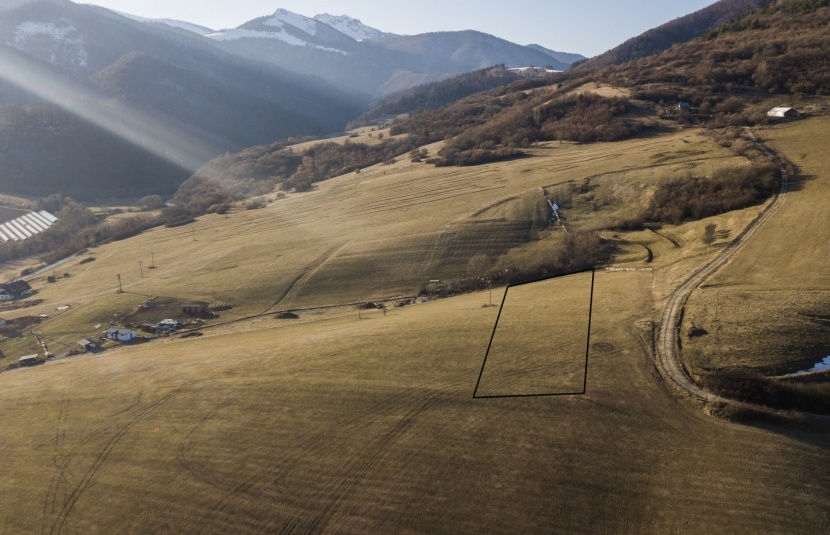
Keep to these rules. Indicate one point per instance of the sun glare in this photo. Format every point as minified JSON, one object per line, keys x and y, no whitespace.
{"x":152,"y":134}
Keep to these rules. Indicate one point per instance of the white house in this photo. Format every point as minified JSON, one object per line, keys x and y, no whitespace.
{"x":14,"y":290}
{"x":781,"y":112}
{"x":121,"y":335}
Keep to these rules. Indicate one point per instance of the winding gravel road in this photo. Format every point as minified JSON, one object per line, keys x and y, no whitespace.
{"x":667,"y":337}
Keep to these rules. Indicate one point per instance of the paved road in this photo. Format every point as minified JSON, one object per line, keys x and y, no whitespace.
{"x":667,"y":336}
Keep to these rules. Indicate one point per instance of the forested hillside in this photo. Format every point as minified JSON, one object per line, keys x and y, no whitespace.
{"x":59,"y":58}
{"x":437,"y":94}
{"x":782,"y":49}
{"x":675,"y":32}
{"x":75,"y":158}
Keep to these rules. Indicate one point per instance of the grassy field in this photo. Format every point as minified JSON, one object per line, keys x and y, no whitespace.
{"x":364,"y":422}
{"x":540,"y":343}
{"x":769,"y":308}
{"x":358,"y":426}
{"x":387,"y":231}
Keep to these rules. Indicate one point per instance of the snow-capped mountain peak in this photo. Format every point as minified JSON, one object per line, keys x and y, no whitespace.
{"x":283,"y":17}
{"x":351,"y":27}
{"x":289,"y":28}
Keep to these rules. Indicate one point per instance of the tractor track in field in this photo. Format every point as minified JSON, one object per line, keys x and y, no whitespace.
{"x":57,"y":514}
{"x":270,"y":479}
{"x":667,"y":343}
{"x":360,"y":468}
{"x":182,"y":451}
{"x":307,"y":273}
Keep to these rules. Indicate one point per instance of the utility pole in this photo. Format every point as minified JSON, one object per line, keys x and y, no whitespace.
{"x":194,"y":235}
{"x":152,"y":260}
{"x":140,"y":269}
{"x":490,"y":284}
{"x":120,"y":290}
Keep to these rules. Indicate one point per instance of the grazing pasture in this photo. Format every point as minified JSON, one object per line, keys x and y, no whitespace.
{"x":768,"y":309}
{"x":352,"y":421}
{"x":366,"y":426}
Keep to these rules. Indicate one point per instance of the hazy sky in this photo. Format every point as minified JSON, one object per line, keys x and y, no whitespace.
{"x":588,"y":27}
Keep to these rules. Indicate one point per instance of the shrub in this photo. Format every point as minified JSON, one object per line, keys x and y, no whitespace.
{"x":694,"y":197}
{"x":151,"y":202}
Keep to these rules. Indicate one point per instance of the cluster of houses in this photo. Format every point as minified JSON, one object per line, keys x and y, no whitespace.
{"x":128,"y":334}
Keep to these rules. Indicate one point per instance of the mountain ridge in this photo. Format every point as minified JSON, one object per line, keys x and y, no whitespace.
{"x":366,"y":60}
{"x":679,"y":30}
{"x":215,"y":100}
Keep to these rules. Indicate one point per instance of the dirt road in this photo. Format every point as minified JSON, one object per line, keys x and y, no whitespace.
{"x":667,"y":335}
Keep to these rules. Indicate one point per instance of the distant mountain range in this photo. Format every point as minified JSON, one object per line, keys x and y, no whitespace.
{"x":355,"y":57}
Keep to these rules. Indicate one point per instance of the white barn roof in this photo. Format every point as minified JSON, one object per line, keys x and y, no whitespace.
{"x":780,"y":111}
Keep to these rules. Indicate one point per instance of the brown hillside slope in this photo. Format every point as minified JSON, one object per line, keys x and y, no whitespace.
{"x":366,"y":426}
{"x":677,"y":31}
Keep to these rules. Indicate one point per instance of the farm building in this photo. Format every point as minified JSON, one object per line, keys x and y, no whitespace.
{"x":121,"y":335}
{"x":783,"y":113}
{"x":26,"y":226}
{"x":193,"y":309}
{"x":29,"y":360}
{"x":88,"y":345}
{"x":14,"y":290}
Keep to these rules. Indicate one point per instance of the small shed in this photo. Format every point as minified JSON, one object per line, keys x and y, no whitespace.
{"x":88,"y":345}
{"x":193,"y":309}
{"x":29,"y":360}
{"x":782,"y":112}
{"x":120,"y":335}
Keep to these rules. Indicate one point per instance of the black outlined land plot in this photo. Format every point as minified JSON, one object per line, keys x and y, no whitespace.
{"x":539,"y":345}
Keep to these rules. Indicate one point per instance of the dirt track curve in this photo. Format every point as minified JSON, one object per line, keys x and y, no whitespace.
{"x":667,"y":335}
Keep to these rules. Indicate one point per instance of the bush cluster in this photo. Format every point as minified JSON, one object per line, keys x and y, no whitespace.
{"x":578,"y":251}
{"x":694,"y":197}
{"x":751,"y":387}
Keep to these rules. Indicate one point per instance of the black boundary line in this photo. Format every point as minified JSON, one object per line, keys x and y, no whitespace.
{"x":587,"y":345}
{"x":588,"y":341}
{"x":592,"y":270}
{"x":483,"y":364}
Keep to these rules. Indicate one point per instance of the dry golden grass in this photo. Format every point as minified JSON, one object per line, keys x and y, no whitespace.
{"x":768,"y":309}
{"x":336,"y":424}
{"x":603,"y":90}
{"x":386,"y":231}
{"x":362,"y":426}
{"x":540,"y":346}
